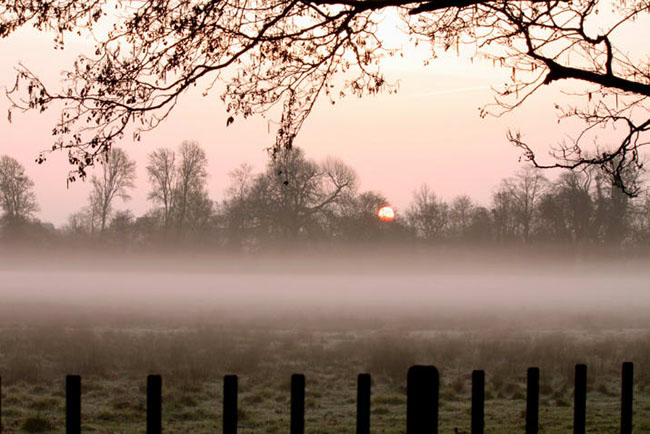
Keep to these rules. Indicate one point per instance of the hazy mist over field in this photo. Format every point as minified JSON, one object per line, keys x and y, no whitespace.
{"x":364,"y":284}
{"x":196,"y":316}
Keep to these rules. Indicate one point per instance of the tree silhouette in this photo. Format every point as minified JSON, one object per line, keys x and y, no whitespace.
{"x":428,"y":214}
{"x":115,"y":181}
{"x":290,"y":53}
{"x":525,"y":190}
{"x":17,"y":198}
{"x":191,"y":205}
{"x":161,"y":170}
{"x":566,"y":208}
{"x":291,"y":198}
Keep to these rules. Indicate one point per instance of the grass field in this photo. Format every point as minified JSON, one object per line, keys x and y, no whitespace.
{"x":114,"y":363}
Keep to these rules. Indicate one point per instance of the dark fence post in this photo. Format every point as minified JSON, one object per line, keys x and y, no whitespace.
{"x":230,"y":404}
{"x":627,"y":397}
{"x":73,"y":404}
{"x":478,"y":402}
{"x":363,"y":404}
{"x":580,"y":400}
{"x":297,"y":404}
{"x":532,"y":401}
{"x":422,"y":393}
{"x":0,"y":405}
{"x":154,"y":404}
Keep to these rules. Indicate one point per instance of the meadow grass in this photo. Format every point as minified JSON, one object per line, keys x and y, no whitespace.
{"x":115,"y":359}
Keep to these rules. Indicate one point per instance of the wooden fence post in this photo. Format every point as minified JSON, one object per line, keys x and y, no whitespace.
{"x":73,"y":404}
{"x":478,"y":402}
{"x":154,"y":404}
{"x":0,"y":405}
{"x":230,"y":404}
{"x":297,"y":404}
{"x":363,"y":404}
{"x":580,"y":400}
{"x":532,"y":401}
{"x":627,"y":397}
{"x":422,"y":394}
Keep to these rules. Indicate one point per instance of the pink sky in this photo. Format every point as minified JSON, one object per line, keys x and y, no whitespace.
{"x":430,"y":132}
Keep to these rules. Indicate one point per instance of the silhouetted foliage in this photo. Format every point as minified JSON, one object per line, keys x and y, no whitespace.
{"x":116,"y":179}
{"x":17,"y":198}
{"x":162,"y":173}
{"x":191,"y":203}
{"x":296,"y":201}
{"x":293,"y":199}
{"x":289,"y":54}
{"x":179,"y":189}
{"x":428,"y":215}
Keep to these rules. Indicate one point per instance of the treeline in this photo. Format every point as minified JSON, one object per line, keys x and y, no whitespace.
{"x":298,"y":201}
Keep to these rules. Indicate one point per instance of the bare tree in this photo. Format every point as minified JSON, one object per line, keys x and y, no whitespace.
{"x":640,"y":219}
{"x":292,"y":198}
{"x":481,"y":229}
{"x":238,"y":217}
{"x":461,"y":212}
{"x":339,"y":177}
{"x":162,"y":173}
{"x":612,"y":207}
{"x":300,"y":191}
{"x":79,"y":224}
{"x":503,"y":216}
{"x":199,"y":213}
{"x":356,"y":219}
{"x":291,"y":53}
{"x":115,"y":181}
{"x":241,"y":180}
{"x":525,"y":190}
{"x":122,"y":227}
{"x":17,"y":197}
{"x":566,"y":209}
{"x":428,"y":215}
{"x":191,"y":178}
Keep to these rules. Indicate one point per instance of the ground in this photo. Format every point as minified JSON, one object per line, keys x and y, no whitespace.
{"x":114,"y":363}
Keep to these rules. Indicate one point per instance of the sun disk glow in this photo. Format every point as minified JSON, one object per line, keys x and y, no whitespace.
{"x":386,"y":214}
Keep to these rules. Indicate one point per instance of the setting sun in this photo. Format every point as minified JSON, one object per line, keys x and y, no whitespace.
{"x":386,"y":214}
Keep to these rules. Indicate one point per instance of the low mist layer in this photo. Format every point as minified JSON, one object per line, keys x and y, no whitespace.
{"x":457,"y":285}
